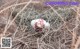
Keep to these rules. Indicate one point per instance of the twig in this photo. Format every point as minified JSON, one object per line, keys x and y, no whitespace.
{"x":77,"y":43}
{"x":38,"y":43}
{"x":16,"y":16}
{"x":16,"y":5}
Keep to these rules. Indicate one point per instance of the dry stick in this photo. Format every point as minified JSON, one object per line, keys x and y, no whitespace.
{"x":8,"y":3}
{"x":59,"y":16}
{"x":77,"y":43}
{"x":13,"y":36}
{"x":57,"y":13}
{"x":66,"y":8}
{"x":77,"y":12}
{"x":38,"y":43}
{"x":15,"y":45}
{"x":74,"y":32}
{"x":25,"y":29}
{"x":47,"y":45}
{"x":19,"y":43}
{"x":18,"y":47}
{"x":17,"y":28}
{"x":16,"y":39}
{"x":17,"y":16}
{"x":73,"y":40}
{"x":45,"y":34}
{"x":74,"y":36}
{"x":48,"y":32}
{"x":17,"y":5}
{"x":22,"y":41}
{"x":6,"y":27}
{"x":59,"y":27}
{"x":43,"y":12}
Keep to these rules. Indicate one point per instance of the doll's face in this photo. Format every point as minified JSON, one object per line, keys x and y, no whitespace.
{"x":38,"y":27}
{"x":40,"y":24}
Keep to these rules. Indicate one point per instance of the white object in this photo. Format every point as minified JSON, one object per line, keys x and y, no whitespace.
{"x":40,"y":23}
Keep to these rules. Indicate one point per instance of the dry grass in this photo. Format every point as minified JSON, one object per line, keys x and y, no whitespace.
{"x":64,"y":33}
